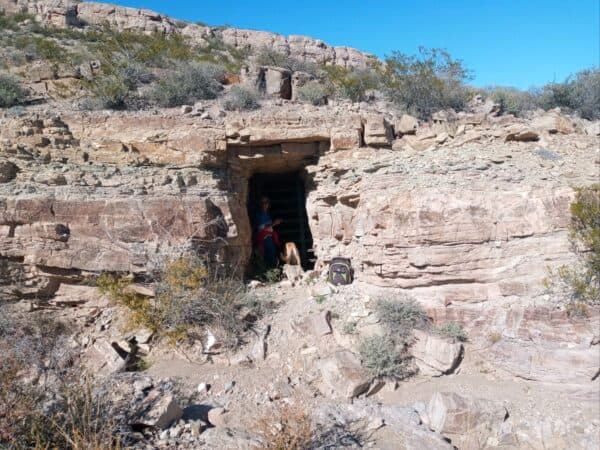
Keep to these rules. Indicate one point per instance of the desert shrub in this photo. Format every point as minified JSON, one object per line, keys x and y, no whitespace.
{"x":287,"y":428}
{"x":48,"y":49}
{"x":117,"y":87}
{"x":579,"y":94}
{"x":40,"y":47}
{"x":401,"y":317}
{"x":110,"y":92}
{"x":12,"y":21}
{"x":241,"y":98}
{"x":189,"y":296}
{"x":425,"y":83}
{"x":586,"y":90}
{"x":151,"y":50}
{"x":269,"y":57}
{"x":581,"y":281}
{"x":453,"y":330}
{"x":44,"y":403}
{"x":272,"y":275}
{"x":11,"y":92}
{"x":382,"y":357}
{"x":313,"y":92}
{"x":512,"y":100}
{"x":349,"y":328}
{"x":351,"y":84}
{"x":188,"y":83}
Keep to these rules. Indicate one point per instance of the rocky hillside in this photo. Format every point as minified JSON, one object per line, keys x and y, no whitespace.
{"x":450,"y":336}
{"x":70,"y":13}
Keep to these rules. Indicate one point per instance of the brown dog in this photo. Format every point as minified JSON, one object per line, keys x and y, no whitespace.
{"x":291,"y":255}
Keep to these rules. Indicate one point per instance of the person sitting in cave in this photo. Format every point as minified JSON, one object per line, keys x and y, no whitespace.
{"x":267,"y":239}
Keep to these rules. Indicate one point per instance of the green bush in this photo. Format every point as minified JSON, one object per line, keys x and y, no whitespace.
{"x":151,"y":50}
{"x":581,"y":281}
{"x":241,"y":98}
{"x":187,"y":84}
{"x":386,"y":356}
{"x":512,"y":100}
{"x":401,"y":317}
{"x":12,"y":21}
{"x":11,"y":92}
{"x":313,"y":92}
{"x":110,"y":92}
{"x":382,"y":358}
{"x":578,"y":94}
{"x":425,"y":83}
{"x":189,"y":296}
{"x":351,"y":84}
{"x":117,"y":87}
{"x":453,"y":330}
{"x":269,"y":57}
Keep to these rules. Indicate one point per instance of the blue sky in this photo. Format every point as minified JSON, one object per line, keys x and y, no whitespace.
{"x":518,"y":43}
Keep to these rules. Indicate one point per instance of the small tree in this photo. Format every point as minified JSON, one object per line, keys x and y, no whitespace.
{"x":579,"y":93}
{"x":582,"y":281}
{"x":269,"y":57}
{"x":425,"y":83}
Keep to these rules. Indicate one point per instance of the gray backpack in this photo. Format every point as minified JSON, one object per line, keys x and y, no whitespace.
{"x":340,"y":271}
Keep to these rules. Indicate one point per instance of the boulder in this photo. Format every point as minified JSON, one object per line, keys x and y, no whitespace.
{"x":406,"y":125}
{"x":546,"y":361}
{"x":485,"y":106}
{"x":406,"y":426}
{"x":522,"y":134}
{"x":345,"y":139}
{"x":452,"y":414}
{"x":434,"y":354}
{"x":102,"y":359}
{"x":161,"y":412}
{"x":378,"y":132}
{"x":218,"y":417}
{"x":316,"y":325}
{"x":593,"y":128}
{"x":553,"y":123}
{"x":71,"y":295}
{"x":140,"y":289}
{"x":343,"y":376}
{"x":143,"y":335}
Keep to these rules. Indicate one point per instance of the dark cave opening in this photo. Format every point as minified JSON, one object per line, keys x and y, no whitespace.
{"x":287,"y":195}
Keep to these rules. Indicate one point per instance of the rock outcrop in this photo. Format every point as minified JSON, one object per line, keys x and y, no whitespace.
{"x":71,"y":13}
{"x":96,"y":192}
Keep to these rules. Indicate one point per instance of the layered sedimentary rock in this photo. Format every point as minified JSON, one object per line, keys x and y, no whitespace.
{"x":460,"y":222}
{"x":63,"y":13}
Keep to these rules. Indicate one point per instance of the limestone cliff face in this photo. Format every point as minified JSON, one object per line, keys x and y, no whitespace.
{"x":467,"y":220}
{"x":69,"y":13}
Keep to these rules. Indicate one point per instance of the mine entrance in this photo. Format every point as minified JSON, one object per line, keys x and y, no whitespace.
{"x":287,"y":195}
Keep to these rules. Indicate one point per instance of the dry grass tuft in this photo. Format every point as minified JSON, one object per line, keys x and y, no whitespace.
{"x":288,"y":428}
